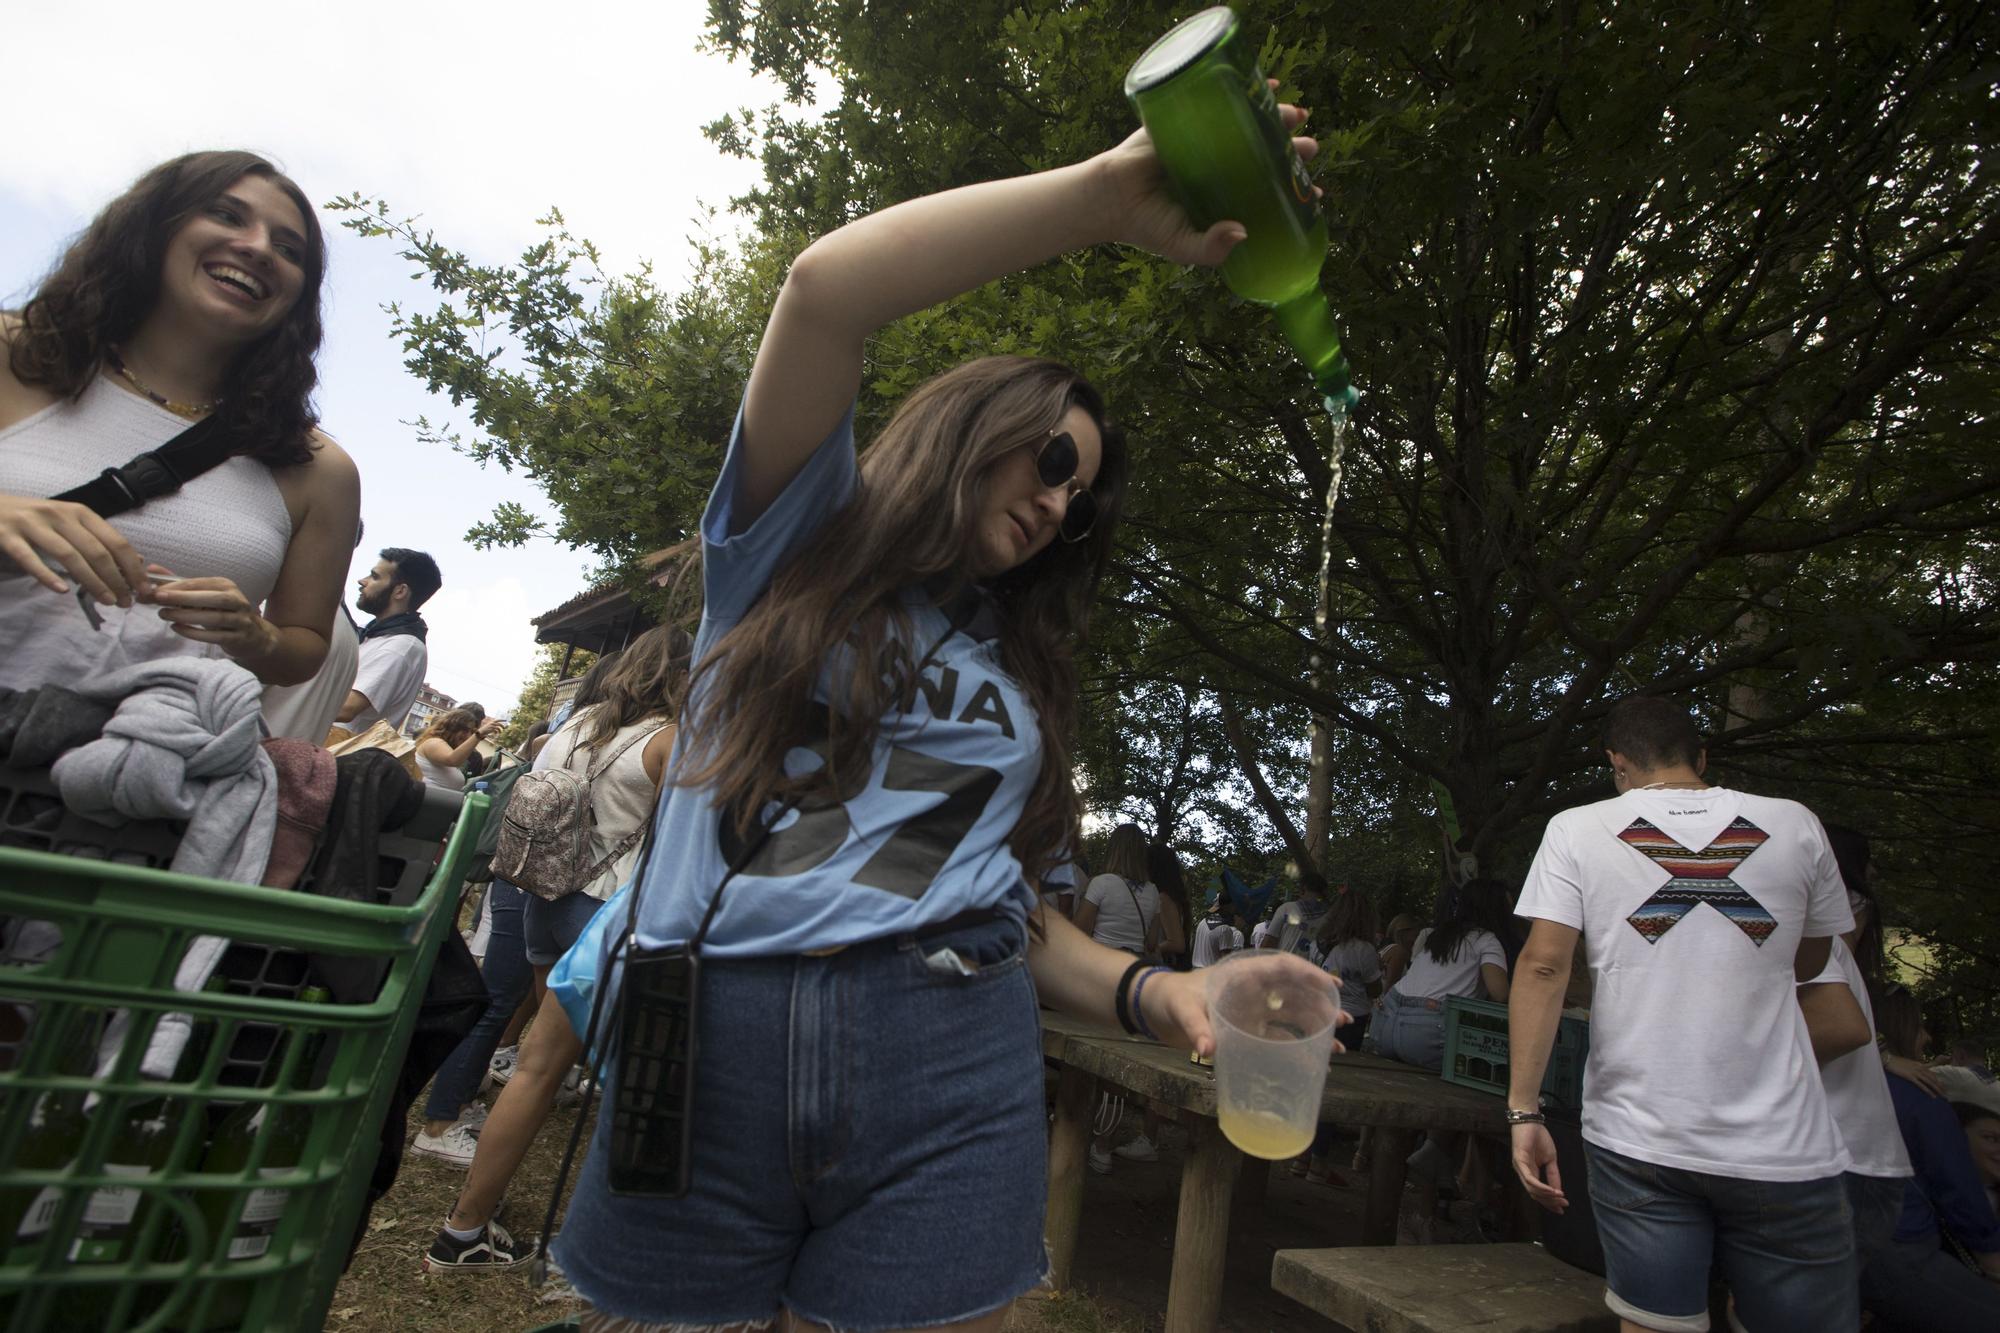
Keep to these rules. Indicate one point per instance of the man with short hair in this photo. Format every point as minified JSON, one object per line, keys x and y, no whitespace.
{"x":393,"y":655}
{"x":1705,"y":1126}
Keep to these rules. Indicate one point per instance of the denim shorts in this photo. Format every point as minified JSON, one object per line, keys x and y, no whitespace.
{"x":869,"y":1147}
{"x":1410,"y":1030}
{"x":551,"y":925}
{"x":1786,"y":1248}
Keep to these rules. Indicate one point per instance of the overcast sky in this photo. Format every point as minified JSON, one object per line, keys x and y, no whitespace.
{"x":478,"y":117}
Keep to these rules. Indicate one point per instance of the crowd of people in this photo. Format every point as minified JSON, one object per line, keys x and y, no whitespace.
{"x":821,"y":816}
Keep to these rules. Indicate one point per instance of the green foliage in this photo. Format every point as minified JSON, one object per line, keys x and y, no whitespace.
{"x":1675,"y":328}
{"x":539,"y":692}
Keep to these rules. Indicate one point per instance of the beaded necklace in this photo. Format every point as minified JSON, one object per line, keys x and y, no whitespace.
{"x":192,"y":411}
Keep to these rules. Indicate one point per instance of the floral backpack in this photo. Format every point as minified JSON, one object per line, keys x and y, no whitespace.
{"x":545,"y":831}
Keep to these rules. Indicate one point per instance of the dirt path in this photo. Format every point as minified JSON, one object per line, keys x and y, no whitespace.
{"x":1123,"y":1261}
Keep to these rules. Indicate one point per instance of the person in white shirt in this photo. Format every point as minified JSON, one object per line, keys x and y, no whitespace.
{"x":393,"y":656}
{"x":1841,"y":1022}
{"x":1121,"y":907}
{"x":1295,"y":922}
{"x":1705,"y":1123}
{"x":1216,"y":937}
{"x":1461,"y":955}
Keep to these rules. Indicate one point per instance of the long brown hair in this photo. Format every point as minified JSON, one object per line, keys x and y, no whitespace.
{"x":451,"y":726}
{"x":108,"y":281}
{"x":911,"y":521}
{"x":643,"y":680}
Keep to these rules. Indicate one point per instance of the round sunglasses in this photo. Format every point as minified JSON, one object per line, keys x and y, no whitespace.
{"x":1055,"y":465}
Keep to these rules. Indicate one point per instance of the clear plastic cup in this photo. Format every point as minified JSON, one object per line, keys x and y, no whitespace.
{"x":1273,"y":1038}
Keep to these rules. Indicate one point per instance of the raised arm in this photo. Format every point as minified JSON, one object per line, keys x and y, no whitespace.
{"x":915,"y":255}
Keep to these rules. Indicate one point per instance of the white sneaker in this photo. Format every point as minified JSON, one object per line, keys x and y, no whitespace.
{"x":1138,"y":1148}
{"x":1100,"y":1160}
{"x":455,"y":1146}
{"x":501,"y":1067}
{"x":473,"y":1117}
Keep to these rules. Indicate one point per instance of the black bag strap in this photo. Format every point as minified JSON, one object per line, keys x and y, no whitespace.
{"x":156,"y":472}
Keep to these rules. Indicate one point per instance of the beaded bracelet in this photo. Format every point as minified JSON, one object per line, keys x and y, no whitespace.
{"x":1118,"y":998}
{"x":1138,"y":1006}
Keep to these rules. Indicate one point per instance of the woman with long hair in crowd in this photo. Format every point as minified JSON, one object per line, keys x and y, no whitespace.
{"x":1120,"y":907}
{"x":194,"y":294}
{"x":874,"y":773}
{"x":443,"y":747}
{"x":623,"y":730}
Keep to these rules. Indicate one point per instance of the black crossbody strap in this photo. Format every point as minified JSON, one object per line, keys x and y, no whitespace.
{"x":156,"y":472}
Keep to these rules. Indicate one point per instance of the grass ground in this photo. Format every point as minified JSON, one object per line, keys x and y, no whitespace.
{"x":1122,"y":1266}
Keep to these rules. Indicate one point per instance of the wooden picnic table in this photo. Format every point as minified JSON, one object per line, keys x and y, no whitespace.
{"x":1398,"y":1100}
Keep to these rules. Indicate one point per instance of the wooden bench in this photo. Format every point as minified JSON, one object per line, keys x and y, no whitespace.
{"x":1445,"y":1289}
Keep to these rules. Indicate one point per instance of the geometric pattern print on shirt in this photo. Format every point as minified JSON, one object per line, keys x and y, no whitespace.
{"x":1699,"y":877}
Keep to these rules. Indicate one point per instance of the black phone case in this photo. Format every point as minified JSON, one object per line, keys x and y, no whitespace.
{"x":652,"y":1102}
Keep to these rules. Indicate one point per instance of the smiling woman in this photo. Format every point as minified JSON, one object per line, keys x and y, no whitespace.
{"x":193,"y":295}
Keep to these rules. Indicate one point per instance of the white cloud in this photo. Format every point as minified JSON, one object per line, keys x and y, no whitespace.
{"x":488,"y":645}
{"x":478,"y":116}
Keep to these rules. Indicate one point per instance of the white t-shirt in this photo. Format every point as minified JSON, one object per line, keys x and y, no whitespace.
{"x":307,"y":711}
{"x":1214,"y":940}
{"x":1356,"y":963}
{"x":1259,"y":933}
{"x":1122,"y":917}
{"x":389,"y":674}
{"x":1692,"y":905}
{"x":1857,"y":1088}
{"x":1428,"y":979}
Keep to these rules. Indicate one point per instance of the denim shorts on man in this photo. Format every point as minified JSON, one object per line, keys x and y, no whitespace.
{"x":869,"y":1146}
{"x":1786,"y":1248}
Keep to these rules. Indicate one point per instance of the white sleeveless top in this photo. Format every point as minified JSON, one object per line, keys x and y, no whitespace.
{"x":622,"y":798}
{"x":440,"y":775}
{"x":230,"y":521}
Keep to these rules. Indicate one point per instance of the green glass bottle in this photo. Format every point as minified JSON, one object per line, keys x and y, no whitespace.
{"x":48,"y":1142}
{"x":1215,"y":125}
{"x":116,"y":1214}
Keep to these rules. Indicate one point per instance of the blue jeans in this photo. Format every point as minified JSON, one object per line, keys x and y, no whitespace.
{"x":1913,"y":1286}
{"x":553,"y":924}
{"x":1786,"y":1248}
{"x":868,"y":1145}
{"x":1877,"y":1205}
{"x":506,"y":973}
{"x":1410,"y":1030}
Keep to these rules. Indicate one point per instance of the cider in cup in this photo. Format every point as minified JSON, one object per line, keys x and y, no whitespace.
{"x":1273,"y":1025}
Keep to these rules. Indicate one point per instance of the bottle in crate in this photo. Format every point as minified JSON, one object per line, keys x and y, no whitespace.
{"x":49,"y":1141}
{"x":285,"y":1127}
{"x":143,"y":1147}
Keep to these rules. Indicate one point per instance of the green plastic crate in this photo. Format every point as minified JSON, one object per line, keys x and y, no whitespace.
{"x":1475,"y":1052}
{"x":124,"y":930}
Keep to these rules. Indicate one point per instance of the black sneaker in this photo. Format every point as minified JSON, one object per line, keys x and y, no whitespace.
{"x":493,"y":1250}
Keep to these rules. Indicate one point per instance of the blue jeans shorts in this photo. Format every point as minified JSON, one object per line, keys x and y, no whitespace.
{"x":1786,"y":1248}
{"x":869,"y":1147}
{"x":551,"y":925}
{"x":1410,"y":1030}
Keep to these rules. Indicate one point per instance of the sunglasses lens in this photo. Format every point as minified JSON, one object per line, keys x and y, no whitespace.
{"x":1056,"y":463}
{"x":1079,"y":518}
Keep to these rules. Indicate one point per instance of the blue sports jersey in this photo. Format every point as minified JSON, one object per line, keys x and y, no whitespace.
{"x":924,"y":839}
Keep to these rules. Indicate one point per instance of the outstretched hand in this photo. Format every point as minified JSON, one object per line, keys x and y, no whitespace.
{"x":1176,"y":1003}
{"x":1145,"y":213}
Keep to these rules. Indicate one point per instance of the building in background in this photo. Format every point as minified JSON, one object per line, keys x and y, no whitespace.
{"x":430,"y":702}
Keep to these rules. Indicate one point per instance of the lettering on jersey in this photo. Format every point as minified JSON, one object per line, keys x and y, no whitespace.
{"x":987,"y":705}
{"x":939,"y":694}
{"x":908,"y":862}
{"x":1697,"y":878}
